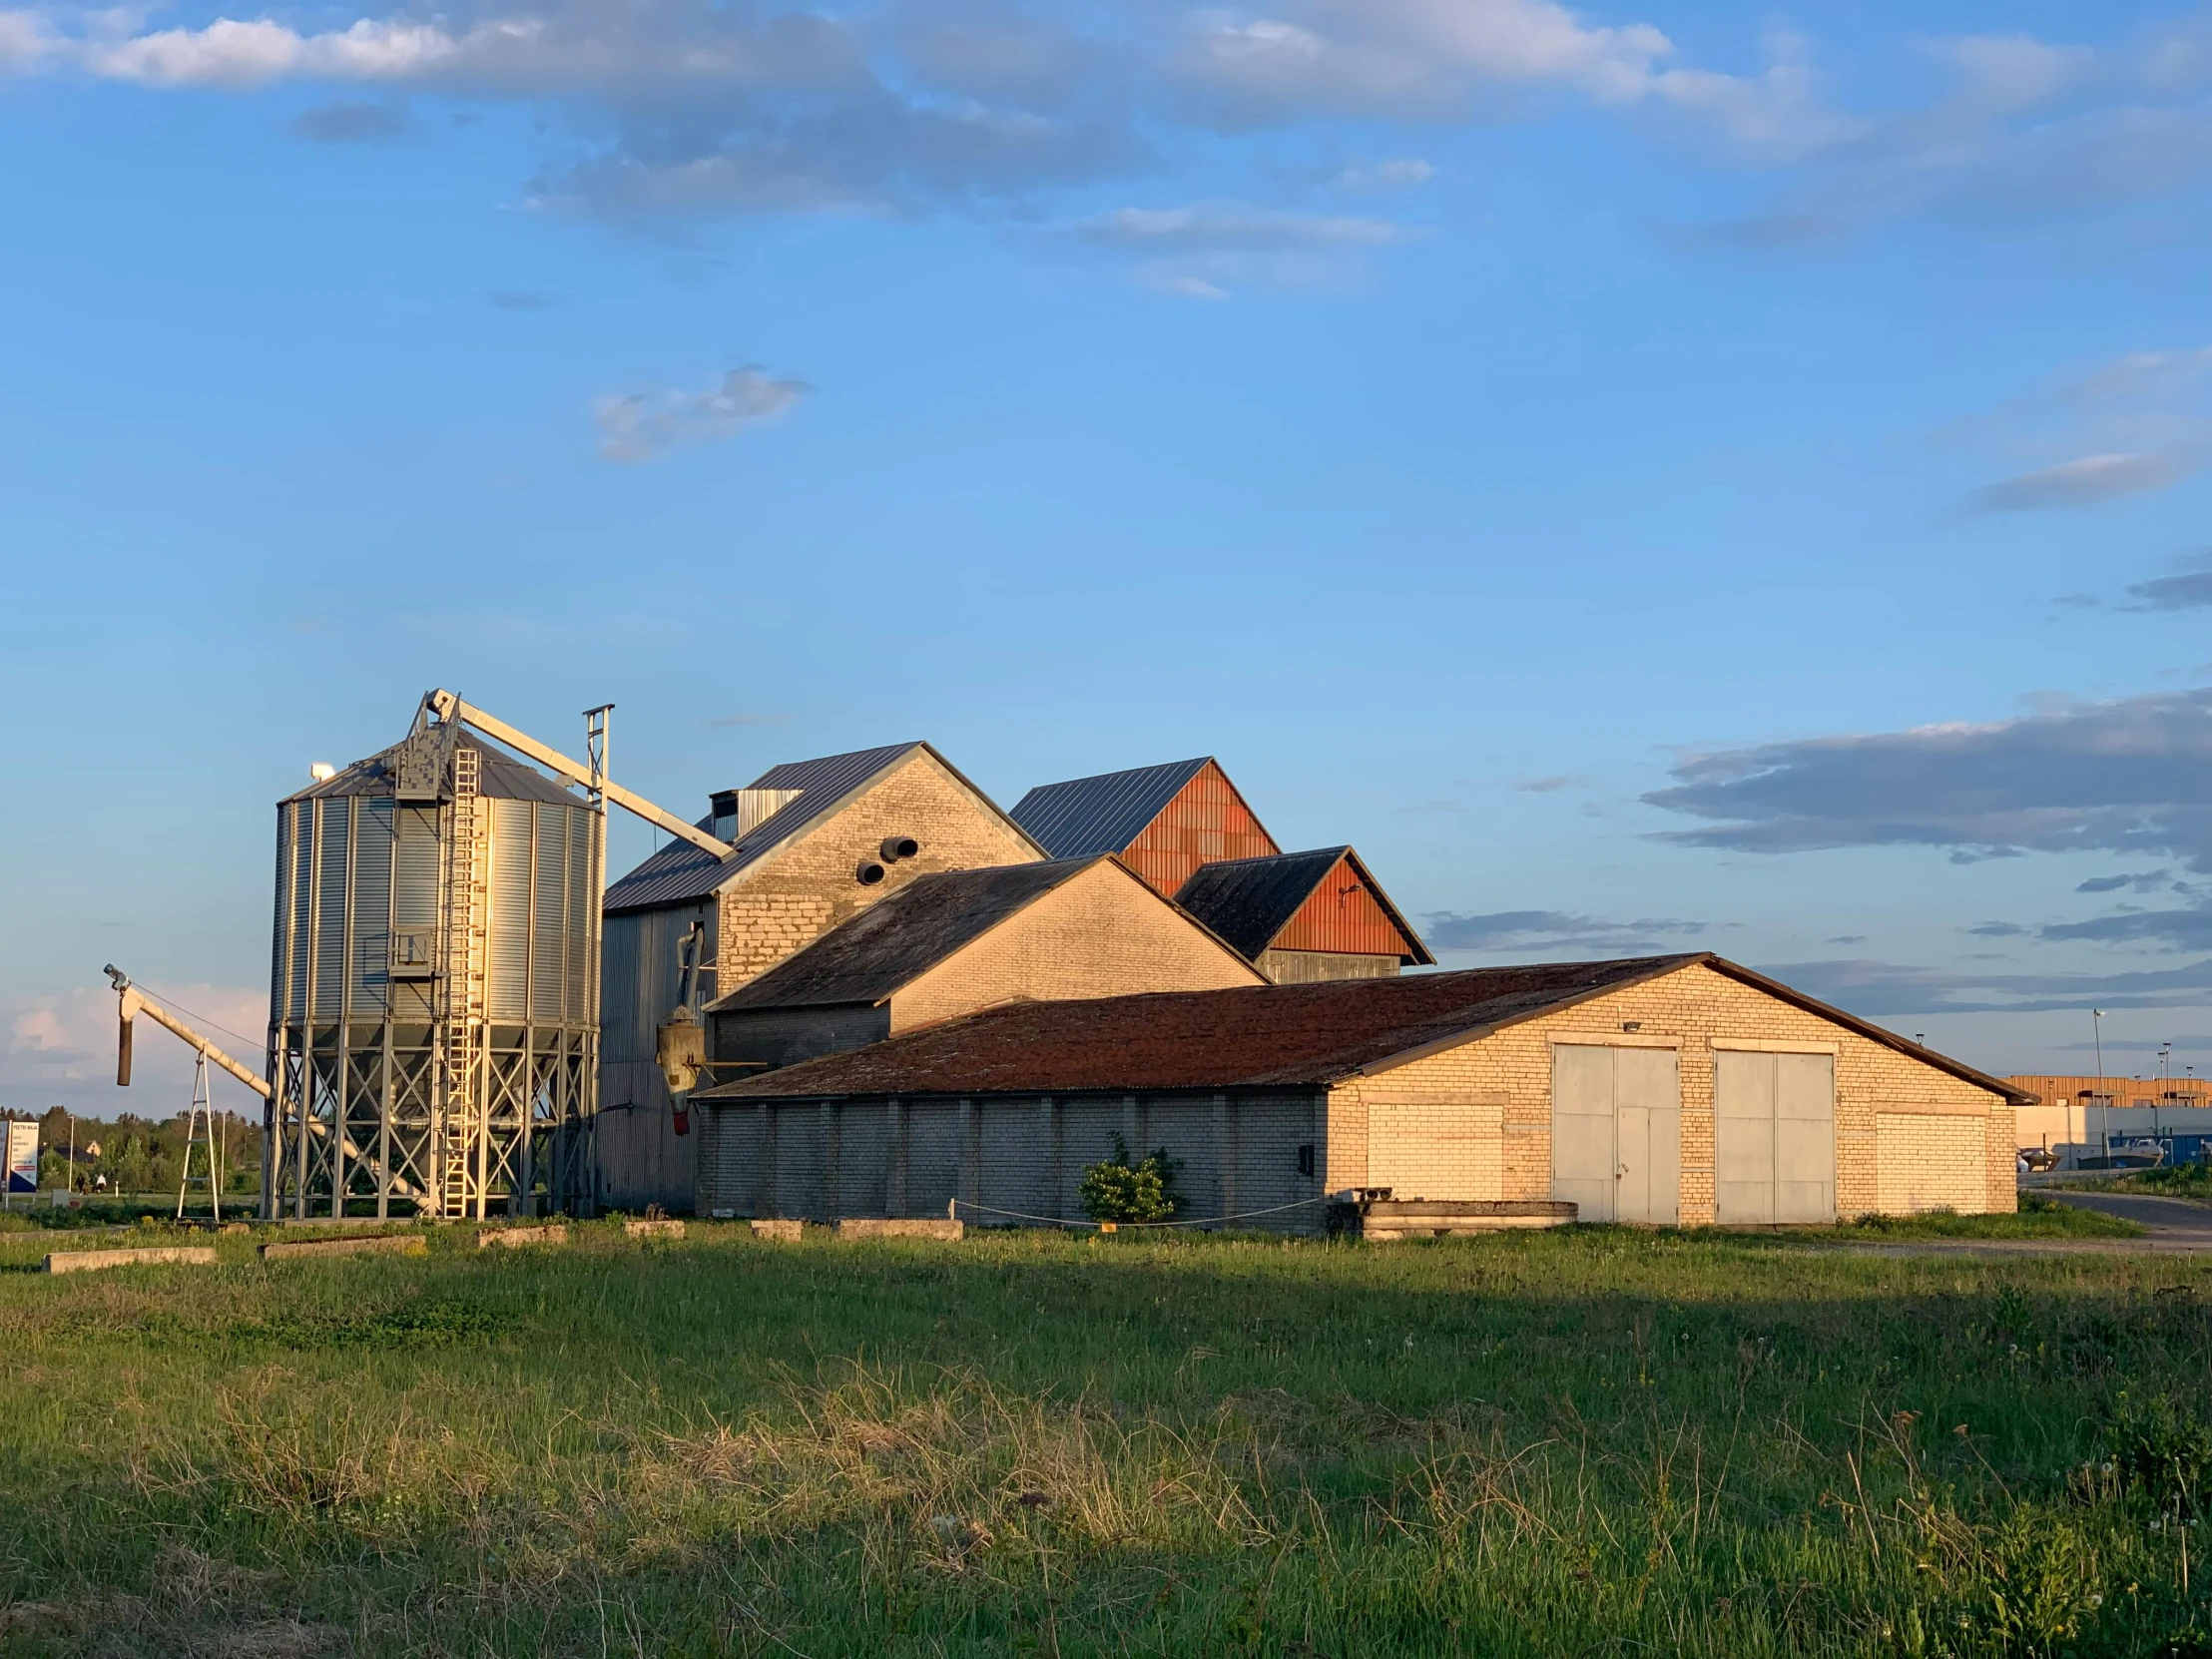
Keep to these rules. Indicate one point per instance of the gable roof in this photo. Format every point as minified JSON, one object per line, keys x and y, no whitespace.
{"x":681,"y":872}
{"x":1104,"y":813}
{"x":901,"y":936}
{"x":1309,"y":1035}
{"x":1249,"y":901}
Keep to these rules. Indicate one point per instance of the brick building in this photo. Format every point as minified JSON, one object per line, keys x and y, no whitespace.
{"x":815,"y":843}
{"x":1665,"y":1090}
{"x":951,"y":943}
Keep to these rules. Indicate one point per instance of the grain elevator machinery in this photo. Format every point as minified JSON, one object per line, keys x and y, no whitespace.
{"x":434,"y":995}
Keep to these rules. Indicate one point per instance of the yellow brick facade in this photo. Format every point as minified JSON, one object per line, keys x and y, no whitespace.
{"x":1474,"y":1121}
{"x":1103,"y":932}
{"x":807,"y":886}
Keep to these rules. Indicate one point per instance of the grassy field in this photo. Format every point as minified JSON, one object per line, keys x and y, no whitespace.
{"x":1593,"y":1441}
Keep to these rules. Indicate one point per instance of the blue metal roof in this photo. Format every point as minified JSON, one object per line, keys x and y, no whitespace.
{"x":1104,"y":813}
{"x":681,"y":872}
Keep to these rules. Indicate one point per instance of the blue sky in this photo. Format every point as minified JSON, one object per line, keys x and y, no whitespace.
{"x":1652,"y":476}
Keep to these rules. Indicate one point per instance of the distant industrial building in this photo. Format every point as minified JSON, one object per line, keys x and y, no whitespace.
{"x":2094,"y":1114}
{"x":1666,"y":1090}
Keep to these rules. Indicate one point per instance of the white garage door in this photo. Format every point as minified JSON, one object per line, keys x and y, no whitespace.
{"x":1773,"y":1137}
{"x":1616,"y":1132}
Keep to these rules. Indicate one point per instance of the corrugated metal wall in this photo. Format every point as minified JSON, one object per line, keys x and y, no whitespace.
{"x":353,"y":869}
{"x":1206,"y":821}
{"x":1342,"y":915}
{"x":642,"y":1160}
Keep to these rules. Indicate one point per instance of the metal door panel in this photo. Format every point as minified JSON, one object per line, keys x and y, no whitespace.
{"x":1805,"y":1137}
{"x":1647,"y":1095}
{"x":1743,"y":1137}
{"x":1583,"y":1153}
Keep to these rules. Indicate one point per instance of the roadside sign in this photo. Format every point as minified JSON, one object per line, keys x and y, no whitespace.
{"x":23,"y":1157}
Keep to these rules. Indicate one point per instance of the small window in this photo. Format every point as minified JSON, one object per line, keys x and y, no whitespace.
{"x":1306,"y":1159}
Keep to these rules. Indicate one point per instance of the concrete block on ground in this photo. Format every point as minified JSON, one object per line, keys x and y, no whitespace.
{"x":858,"y":1228}
{"x":396,"y":1244}
{"x":782,"y":1231}
{"x":515,"y":1237}
{"x":87,"y":1261}
{"x":654,"y":1229}
{"x":1382,"y":1221}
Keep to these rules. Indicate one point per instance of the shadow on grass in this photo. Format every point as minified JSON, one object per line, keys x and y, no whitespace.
{"x":1022,"y":1445}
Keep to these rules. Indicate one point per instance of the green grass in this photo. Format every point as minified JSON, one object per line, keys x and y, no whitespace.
{"x":1591,"y":1441}
{"x":2037,"y":1217}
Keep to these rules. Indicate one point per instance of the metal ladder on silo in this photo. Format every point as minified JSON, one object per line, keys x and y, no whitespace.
{"x":460,"y":1175}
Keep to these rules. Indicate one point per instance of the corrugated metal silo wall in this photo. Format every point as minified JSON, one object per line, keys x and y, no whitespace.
{"x":642,"y":1160}
{"x":540,"y":914}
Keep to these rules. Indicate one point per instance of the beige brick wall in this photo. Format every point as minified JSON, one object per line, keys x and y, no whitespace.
{"x":1104,"y":932}
{"x":1928,"y":1162}
{"x":1426,"y":1122}
{"x":806,"y":887}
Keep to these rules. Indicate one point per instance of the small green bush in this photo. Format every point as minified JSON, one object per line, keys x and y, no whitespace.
{"x":1118,"y":1191}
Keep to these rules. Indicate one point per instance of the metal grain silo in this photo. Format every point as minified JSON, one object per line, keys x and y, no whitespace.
{"x":434,"y":1008}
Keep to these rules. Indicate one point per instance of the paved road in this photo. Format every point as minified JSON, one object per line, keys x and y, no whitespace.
{"x":2172,"y":1223}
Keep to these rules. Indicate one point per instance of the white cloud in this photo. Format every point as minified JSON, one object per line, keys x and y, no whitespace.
{"x":2001,"y":74}
{"x":60,"y":1049}
{"x":1233,"y":225}
{"x":639,"y":427}
{"x":1192,"y":287}
{"x":2137,"y":423}
{"x":698,"y":107}
{"x":1210,"y":249}
{"x":1398,"y":173}
{"x":24,"y":40}
{"x":2131,"y":777}
{"x":2084,"y":481}
{"x":229,"y":53}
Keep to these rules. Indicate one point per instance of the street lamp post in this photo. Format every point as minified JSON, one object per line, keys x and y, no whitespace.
{"x":2104,"y":1096}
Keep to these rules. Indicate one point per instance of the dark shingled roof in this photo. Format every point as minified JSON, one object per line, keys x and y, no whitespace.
{"x":900,"y":937}
{"x":1265,"y":1036}
{"x":1250,"y":900}
{"x":1104,"y":813}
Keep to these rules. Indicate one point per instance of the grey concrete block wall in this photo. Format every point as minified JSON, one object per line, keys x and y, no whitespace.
{"x":1023,"y":1155}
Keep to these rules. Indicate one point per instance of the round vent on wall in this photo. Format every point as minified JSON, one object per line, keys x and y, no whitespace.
{"x":896,"y":848}
{"x":868,"y":873}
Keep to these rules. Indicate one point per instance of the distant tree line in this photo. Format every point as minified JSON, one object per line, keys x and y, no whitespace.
{"x":140,"y":1155}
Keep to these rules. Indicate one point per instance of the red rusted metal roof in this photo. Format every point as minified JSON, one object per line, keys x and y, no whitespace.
{"x":1164,"y":821}
{"x":1325,"y":900}
{"x":1266,"y":1036}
